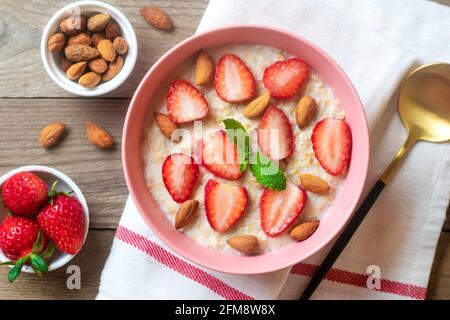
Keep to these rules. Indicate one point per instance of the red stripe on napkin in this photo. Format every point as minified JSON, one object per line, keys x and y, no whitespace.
{"x":188,"y":270}
{"x":360,"y":280}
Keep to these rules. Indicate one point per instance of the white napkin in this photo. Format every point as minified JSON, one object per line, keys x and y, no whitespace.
{"x":376,"y":46}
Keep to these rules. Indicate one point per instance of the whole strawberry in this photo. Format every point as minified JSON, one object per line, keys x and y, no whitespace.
{"x":63,"y":221}
{"x":22,"y":241}
{"x":24,"y":193}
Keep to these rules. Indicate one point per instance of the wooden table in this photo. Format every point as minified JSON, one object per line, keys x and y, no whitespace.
{"x":29,"y":100}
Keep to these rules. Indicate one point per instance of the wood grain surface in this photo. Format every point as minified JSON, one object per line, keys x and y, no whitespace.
{"x":30,"y":100}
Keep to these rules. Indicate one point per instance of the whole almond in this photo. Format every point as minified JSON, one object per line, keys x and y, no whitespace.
{"x":120,"y":45}
{"x":186,"y":214}
{"x":79,"y":52}
{"x":98,"y":22}
{"x":112,"y":30}
{"x":90,"y":79}
{"x":166,"y":126}
{"x":305,"y":111}
{"x":106,"y":49}
{"x":204,"y":69}
{"x":156,"y":17}
{"x":50,"y":134}
{"x":76,"y":70}
{"x":98,"y":65}
{"x":81,"y":38}
{"x":314,"y":183}
{"x":113,"y":69}
{"x":247,"y":244}
{"x":98,"y":136}
{"x":257,"y":107}
{"x":56,"y":42}
{"x":304,"y":230}
{"x":73,"y":25}
{"x":96,"y":37}
{"x":65,"y":63}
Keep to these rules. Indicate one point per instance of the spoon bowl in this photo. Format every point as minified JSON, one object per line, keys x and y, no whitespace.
{"x":424,"y":103}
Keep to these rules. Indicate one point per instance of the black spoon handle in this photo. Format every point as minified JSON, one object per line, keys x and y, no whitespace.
{"x":343,"y":239}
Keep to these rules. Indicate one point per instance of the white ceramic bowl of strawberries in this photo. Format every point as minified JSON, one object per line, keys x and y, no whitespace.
{"x":31,"y":210}
{"x":51,"y":60}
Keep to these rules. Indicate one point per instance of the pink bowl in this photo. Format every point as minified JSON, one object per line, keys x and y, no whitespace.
{"x":347,"y":198}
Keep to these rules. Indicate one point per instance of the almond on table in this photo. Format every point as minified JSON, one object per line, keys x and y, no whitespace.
{"x":98,"y":136}
{"x":156,"y":17}
{"x":50,"y":134}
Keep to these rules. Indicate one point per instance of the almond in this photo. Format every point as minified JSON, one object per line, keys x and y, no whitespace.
{"x":305,"y":111}
{"x":79,"y":52}
{"x":166,"y":126}
{"x":247,"y":244}
{"x":56,"y":42}
{"x":98,"y":65}
{"x":90,"y":79}
{"x":81,"y":38}
{"x":113,"y":69}
{"x":106,"y":50}
{"x":186,"y":214}
{"x":96,"y":37}
{"x":120,"y":45}
{"x":98,"y":136}
{"x":73,"y":25}
{"x":98,"y":22}
{"x":204,"y":69}
{"x":112,"y":30}
{"x":65,"y":63}
{"x":156,"y":17}
{"x":257,"y":106}
{"x":304,"y":230}
{"x":76,"y":70}
{"x":50,"y":135}
{"x":314,"y":183}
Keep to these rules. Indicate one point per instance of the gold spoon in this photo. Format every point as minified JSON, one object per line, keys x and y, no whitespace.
{"x":424,"y":106}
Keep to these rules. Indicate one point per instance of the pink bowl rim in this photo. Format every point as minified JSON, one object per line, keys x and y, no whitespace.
{"x":242,"y":266}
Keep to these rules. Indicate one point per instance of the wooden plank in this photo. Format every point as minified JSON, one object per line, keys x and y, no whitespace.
{"x":97,"y":172}
{"x":93,"y":256}
{"x":53,"y":285}
{"x":439,"y":284}
{"x":22,"y":23}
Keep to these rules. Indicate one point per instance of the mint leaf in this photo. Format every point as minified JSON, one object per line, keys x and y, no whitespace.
{"x":236,"y":132}
{"x":268,"y":173}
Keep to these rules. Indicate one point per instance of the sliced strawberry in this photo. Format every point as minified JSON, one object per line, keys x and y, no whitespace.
{"x":332,"y":144}
{"x":279,"y":209}
{"x":275,"y":136}
{"x":233,"y":80}
{"x":220,"y":156}
{"x":224,"y":204}
{"x":284,"y":78}
{"x":185,"y":103}
{"x":179,"y":173}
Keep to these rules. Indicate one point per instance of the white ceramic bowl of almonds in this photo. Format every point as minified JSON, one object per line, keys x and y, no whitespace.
{"x":52,"y":59}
